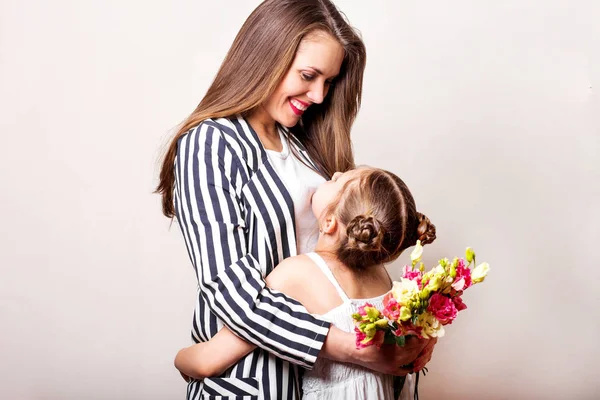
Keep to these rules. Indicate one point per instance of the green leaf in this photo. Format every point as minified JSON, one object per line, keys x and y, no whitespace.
{"x":401,"y":340}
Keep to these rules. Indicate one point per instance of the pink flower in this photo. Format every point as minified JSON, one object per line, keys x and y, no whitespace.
{"x":392,"y":308}
{"x":458,"y":303}
{"x":442,"y":308}
{"x":459,"y":285}
{"x":387,"y":298}
{"x":413,"y":274}
{"x":462,"y":272}
{"x":405,"y":329}
{"x":376,"y":341}
{"x":360,"y":336}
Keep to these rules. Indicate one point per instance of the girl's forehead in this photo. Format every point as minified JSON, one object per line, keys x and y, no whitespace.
{"x":353,"y":173}
{"x":349,"y":176}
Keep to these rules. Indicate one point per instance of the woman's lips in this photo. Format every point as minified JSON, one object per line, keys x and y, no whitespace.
{"x":298,"y":107}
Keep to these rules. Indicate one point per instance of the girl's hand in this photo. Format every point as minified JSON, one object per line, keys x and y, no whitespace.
{"x":185,"y":377}
{"x":392,"y":359}
{"x":389,"y":359}
{"x":425,"y":355}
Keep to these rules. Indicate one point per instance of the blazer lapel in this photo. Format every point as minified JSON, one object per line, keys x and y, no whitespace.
{"x":266,"y":195}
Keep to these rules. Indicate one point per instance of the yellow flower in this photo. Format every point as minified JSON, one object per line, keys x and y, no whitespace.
{"x":370,"y":330}
{"x":372,"y":313}
{"x":435,"y":283}
{"x":452,"y":271}
{"x":382,"y":323}
{"x":405,"y":314}
{"x":480,"y":272}
{"x":469,"y":255}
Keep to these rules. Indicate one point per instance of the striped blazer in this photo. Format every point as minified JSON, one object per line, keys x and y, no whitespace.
{"x":237,"y":219}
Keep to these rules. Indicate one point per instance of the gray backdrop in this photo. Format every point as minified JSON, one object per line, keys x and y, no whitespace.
{"x":489,"y":111}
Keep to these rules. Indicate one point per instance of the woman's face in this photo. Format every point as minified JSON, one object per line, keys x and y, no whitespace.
{"x":317,"y":63}
{"x":329,"y":191}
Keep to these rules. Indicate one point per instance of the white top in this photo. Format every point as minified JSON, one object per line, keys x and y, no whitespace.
{"x":301,"y":182}
{"x":329,"y":380}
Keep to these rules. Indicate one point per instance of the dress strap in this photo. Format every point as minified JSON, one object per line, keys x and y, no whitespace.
{"x":317,"y":259}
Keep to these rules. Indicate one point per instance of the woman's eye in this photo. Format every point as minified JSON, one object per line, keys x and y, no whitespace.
{"x":307,"y":77}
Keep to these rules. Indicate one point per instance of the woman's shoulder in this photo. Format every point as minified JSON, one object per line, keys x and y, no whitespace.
{"x":215,"y":132}
{"x":236,"y":132}
{"x":214,"y":127}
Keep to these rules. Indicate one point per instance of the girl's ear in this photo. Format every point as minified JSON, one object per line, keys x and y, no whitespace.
{"x":329,"y":225}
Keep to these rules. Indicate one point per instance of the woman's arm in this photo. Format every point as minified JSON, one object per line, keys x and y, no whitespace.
{"x":221,"y":352}
{"x":208,"y":197}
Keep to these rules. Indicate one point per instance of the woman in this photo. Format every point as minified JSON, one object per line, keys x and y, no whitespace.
{"x":239,"y":175}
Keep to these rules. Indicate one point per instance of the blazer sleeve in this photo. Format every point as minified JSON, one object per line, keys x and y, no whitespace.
{"x":208,"y":203}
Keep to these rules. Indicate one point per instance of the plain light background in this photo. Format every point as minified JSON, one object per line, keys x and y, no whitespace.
{"x":489,"y":110}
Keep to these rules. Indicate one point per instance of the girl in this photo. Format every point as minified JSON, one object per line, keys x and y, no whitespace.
{"x":238,"y":175}
{"x":367,"y":217}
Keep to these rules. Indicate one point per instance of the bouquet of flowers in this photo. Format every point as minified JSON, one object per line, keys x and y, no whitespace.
{"x":421,"y":303}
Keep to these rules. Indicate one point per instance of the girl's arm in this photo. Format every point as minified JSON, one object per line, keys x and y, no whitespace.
{"x":214,"y":357}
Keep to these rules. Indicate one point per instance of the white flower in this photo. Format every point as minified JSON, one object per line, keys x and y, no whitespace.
{"x":431,"y":326}
{"x":405,"y":290}
{"x":480,"y":272}
{"x":439,"y":270}
{"x":417,"y":252}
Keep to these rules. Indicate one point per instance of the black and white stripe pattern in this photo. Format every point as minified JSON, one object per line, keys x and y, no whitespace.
{"x":237,"y":219}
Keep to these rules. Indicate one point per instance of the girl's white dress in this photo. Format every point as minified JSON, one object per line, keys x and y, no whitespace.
{"x":329,"y":380}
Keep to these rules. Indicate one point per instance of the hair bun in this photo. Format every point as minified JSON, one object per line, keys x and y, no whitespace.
{"x":365,"y":233}
{"x":425,"y":230}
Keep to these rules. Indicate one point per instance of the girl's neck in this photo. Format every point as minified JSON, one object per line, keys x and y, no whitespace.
{"x":329,"y":254}
{"x":327,"y":249}
{"x":369,"y":283}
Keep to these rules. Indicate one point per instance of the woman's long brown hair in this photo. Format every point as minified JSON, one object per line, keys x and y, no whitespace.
{"x":257,"y":61}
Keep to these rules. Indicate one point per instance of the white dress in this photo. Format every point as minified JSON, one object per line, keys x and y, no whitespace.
{"x":329,"y":380}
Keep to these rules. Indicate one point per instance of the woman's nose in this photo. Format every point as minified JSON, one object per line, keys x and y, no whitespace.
{"x":317,"y":93}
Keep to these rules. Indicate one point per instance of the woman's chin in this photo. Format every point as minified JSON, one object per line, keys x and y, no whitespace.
{"x":289,"y":121}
